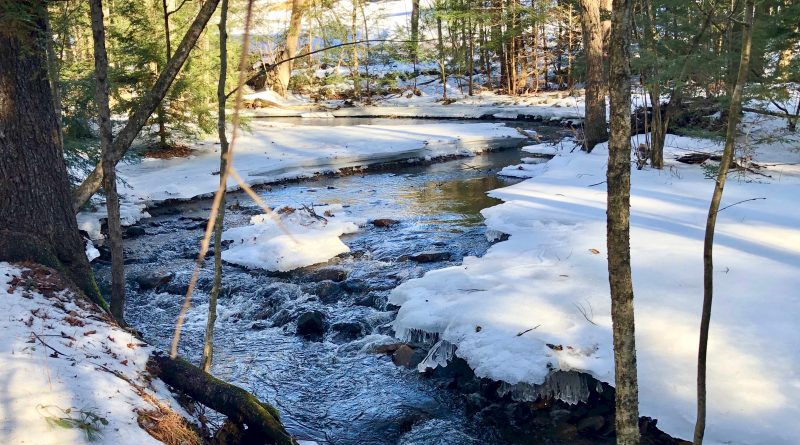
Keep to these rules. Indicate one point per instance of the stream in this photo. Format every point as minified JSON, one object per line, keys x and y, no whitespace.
{"x":335,"y":389}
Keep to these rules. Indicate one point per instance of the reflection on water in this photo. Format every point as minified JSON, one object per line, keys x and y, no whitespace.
{"x":332,"y":390}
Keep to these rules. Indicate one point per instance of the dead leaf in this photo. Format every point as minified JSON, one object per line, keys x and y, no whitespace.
{"x":90,"y":332}
{"x":594,"y":251}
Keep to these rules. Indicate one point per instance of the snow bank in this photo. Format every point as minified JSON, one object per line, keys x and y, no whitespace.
{"x":289,"y":239}
{"x":43,"y":388}
{"x":539,"y":302}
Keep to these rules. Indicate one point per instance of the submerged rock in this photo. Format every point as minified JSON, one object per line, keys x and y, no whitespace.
{"x":385,"y":222}
{"x":347,"y":330}
{"x":311,"y":324}
{"x":328,"y":273}
{"x":430,"y":257}
{"x":133,"y":231}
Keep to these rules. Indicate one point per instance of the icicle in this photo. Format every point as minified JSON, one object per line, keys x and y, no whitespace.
{"x":568,"y":386}
{"x":440,"y":354}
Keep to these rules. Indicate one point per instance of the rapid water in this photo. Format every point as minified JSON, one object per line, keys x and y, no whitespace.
{"x":335,"y":390}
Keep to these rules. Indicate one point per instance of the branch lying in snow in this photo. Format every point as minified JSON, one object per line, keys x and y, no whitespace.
{"x":56,"y":351}
{"x":527,"y":330}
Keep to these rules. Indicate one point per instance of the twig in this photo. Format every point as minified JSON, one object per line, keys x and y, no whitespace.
{"x":48,"y":346}
{"x":598,"y":183}
{"x":582,"y":310}
{"x":527,"y":330}
{"x":737,"y":203}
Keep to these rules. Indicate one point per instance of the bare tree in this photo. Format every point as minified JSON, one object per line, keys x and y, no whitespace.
{"x":711,"y":221}
{"x":208,"y":343}
{"x":618,"y":227}
{"x":147,"y":105}
{"x":110,"y":177}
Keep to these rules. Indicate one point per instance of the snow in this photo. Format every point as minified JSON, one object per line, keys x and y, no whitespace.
{"x":550,"y":279}
{"x":37,"y":383}
{"x":91,"y":252}
{"x":289,"y":239}
{"x":272,"y":152}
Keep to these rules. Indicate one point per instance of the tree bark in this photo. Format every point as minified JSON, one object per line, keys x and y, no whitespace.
{"x":415,"y":34}
{"x":37,"y":222}
{"x":290,"y":49}
{"x":208,"y":342}
{"x":110,"y":178}
{"x":618,"y":227}
{"x":594,"y":123}
{"x":711,"y":221}
{"x":147,"y":105}
{"x":240,"y":406}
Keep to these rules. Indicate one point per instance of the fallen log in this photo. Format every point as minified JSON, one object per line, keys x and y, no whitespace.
{"x":238,"y":405}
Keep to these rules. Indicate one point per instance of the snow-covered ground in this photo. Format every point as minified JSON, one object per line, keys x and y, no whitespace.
{"x":272,"y":152}
{"x":540,"y":301}
{"x":51,"y":397}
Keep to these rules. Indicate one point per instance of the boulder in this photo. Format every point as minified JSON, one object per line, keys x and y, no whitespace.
{"x":153,"y":280}
{"x":329,"y":273}
{"x":407,"y":356}
{"x":311,"y":324}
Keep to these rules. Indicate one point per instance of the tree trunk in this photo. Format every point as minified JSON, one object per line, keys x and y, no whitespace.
{"x":618,"y":227}
{"x":711,"y":221}
{"x":208,"y":342}
{"x":147,"y":105}
{"x":37,"y":222}
{"x":594,"y":124}
{"x":110,"y":178}
{"x":240,"y":406}
{"x":415,"y":34}
{"x":292,"y":36}
{"x":442,"y":68}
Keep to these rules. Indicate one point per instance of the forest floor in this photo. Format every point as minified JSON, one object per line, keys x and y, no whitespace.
{"x":69,"y":374}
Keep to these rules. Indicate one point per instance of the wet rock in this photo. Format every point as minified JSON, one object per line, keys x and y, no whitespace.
{"x":328,"y":273}
{"x":133,"y":231}
{"x":347,"y":330}
{"x":328,"y":291}
{"x":430,"y":257}
{"x":259,"y":326}
{"x":385,"y":349}
{"x":153,"y":280}
{"x":371,"y":300}
{"x":179,"y":287}
{"x":281,"y":318}
{"x":311,"y":324}
{"x":385,"y":222}
{"x":407,"y":356}
{"x":591,"y":424}
{"x":356,"y":286}
{"x":566,"y":431}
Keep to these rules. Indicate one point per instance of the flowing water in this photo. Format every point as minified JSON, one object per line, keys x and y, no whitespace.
{"x":333,"y":390}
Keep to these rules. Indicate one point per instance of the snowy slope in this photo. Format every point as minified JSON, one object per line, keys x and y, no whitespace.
{"x":39,"y":385}
{"x":551,"y":277}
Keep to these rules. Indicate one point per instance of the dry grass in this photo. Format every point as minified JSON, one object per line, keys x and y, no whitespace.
{"x":166,"y":426}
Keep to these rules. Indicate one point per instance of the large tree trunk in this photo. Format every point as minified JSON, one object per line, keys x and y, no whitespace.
{"x":110,"y":179}
{"x":147,"y":105}
{"x":292,"y":36}
{"x":37,"y":222}
{"x":232,"y":401}
{"x":594,"y":124}
{"x":711,"y":221}
{"x":208,"y":341}
{"x":618,"y":228}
